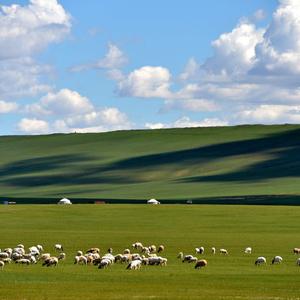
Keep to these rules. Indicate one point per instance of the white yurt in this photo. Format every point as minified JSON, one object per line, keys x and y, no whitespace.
{"x":153,"y":201}
{"x":64,"y":201}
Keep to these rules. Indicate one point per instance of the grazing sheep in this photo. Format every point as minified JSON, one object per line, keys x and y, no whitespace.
{"x":58,"y":247}
{"x":224,"y":251}
{"x":134,"y":265}
{"x":199,"y":250}
{"x":23,"y":261}
{"x":161,"y":248}
{"x":34,"y":251}
{"x":104,"y":263}
{"x":152,"y":248}
{"x":296,"y":250}
{"x":126,"y":251}
{"x":51,"y":261}
{"x":4,"y":255}
{"x":6,"y":260}
{"x":40,"y":248}
{"x":248,"y":250}
{"x":260,"y":260}
{"x":1,"y":264}
{"x":62,"y":256}
{"x":93,"y":250}
{"x":137,"y":245}
{"x":298,"y":262}
{"x":15,"y":256}
{"x":200,"y":264}
{"x":20,"y":246}
{"x":180,"y":255}
{"x":110,"y":250}
{"x":44,"y":256}
{"x":277,"y":260}
{"x":145,"y":250}
{"x":79,"y":253}
{"x":189,"y":258}
{"x":213,"y":250}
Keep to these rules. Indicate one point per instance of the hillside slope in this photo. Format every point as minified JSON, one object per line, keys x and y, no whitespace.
{"x":165,"y":164}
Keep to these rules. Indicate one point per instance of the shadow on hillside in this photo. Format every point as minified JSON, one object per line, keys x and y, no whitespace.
{"x":285,"y":161}
{"x":283,"y":147}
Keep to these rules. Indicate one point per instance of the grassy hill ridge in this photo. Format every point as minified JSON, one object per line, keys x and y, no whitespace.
{"x":175,"y":164}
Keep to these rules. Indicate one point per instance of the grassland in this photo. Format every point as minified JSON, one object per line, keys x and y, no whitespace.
{"x":269,"y":230}
{"x":167,"y":164}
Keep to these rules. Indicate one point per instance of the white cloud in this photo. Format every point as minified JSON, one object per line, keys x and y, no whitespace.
{"x":191,"y":70}
{"x":193,"y":105}
{"x":21,"y":77}
{"x":279,"y":52}
{"x":186,"y":122}
{"x":113,"y":60}
{"x":25,"y":30}
{"x":155,"y":125}
{"x":268,"y":114}
{"x":208,"y":122}
{"x":64,"y":102}
{"x":234,"y":52}
{"x":7,"y":107}
{"x":146,"y":82}
{"x":33,"y":126}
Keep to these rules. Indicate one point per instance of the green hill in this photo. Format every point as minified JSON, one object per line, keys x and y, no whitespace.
{"x":170,"y":164}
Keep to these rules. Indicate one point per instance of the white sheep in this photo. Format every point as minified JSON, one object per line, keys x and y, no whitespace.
{"x":4,"y":255}
{"x":248,"y":250}
{"x":104,"y":263}
{"x":134,"y":265}
{"x":161,"y":248}
{"x":200,"y":264}
{"x":58,"y":247}
{"x":199,"y":250}
{"x":298,"y":262}
{"x":44,"y":256}
{"x":277,"y":260}
{"x":62,"y":256}
{"x":51,"y":261}
{"x":180,"y":255}
{"x":23,"y":261}
{"x":213,"y":250}
{"x":137,"y":245}
{"x":189,"y":258}
{"x":224,"y":251}
{"x":2,"y":264}
{"x":260,"y":260}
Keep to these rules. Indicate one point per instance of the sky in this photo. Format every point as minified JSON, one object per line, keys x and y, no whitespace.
{"x":95,"y":66}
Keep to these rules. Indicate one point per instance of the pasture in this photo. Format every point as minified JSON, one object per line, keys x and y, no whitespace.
{"x":268,"y":230}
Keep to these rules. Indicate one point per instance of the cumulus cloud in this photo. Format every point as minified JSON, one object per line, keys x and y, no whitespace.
{"x":7,"y":107}
{"x":193,"y":105}
{"x":186,"y":122}
{"x":113,"y":60}
{"x":64,"y":102}
{"x":33,"y":126}
{"x":268,"y":114}
{"x":25,"y":30}
{"x":146,"y":82}
{"x":22,"y":77}
{"x":234,"y":52}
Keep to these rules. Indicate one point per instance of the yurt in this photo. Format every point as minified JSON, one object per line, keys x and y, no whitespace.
{"x":64,"y":201}
{"x":153,"y":201}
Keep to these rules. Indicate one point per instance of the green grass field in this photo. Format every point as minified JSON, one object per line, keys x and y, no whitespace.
{"x":166,"y":164}
{"x":268,"y":230}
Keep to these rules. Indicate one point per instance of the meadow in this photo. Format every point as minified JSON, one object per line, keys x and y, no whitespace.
{"x":269,"y":230}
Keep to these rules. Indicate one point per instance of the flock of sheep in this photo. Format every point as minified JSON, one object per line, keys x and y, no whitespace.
{"x":142,"y":255}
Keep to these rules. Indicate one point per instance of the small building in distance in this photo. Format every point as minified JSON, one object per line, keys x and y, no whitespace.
{"x":64,"y":201}
{"x":153,"y":201}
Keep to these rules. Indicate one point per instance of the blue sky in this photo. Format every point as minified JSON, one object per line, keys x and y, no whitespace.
{"x":107,"y":65}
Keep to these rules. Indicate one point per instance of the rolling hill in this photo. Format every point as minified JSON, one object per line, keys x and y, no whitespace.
{"x":228,"y":163}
